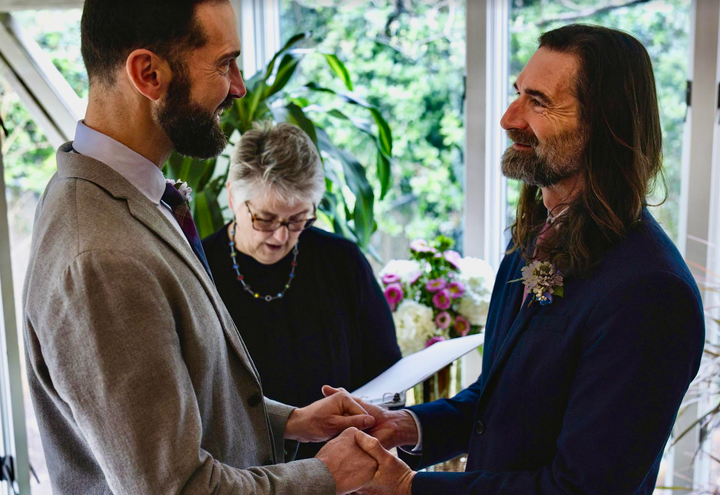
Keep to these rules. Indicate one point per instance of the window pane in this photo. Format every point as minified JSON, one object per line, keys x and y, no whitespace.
{"x":408,"y":58}
{"x":29,"y":164}
{"x":663,"y":27}
{"x":58,"y":34}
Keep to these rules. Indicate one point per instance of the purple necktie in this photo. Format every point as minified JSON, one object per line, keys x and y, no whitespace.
{"x":182,"y":214}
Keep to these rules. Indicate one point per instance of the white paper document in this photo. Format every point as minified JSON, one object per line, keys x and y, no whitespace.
{"x":415,"y":368}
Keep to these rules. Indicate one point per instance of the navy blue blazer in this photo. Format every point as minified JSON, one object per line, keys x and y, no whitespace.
{"x":578,"y":396}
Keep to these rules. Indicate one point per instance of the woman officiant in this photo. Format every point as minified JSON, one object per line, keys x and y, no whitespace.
{"x":304,"y":300}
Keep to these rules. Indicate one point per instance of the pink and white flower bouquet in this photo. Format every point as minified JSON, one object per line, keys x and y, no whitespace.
{"x":436,"y":294}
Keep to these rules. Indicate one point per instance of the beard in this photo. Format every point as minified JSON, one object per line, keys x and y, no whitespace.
{"x":193,"y":130}
{"x":545,"y":164}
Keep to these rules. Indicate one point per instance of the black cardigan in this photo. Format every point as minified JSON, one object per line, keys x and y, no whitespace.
{"x":332,"y":327}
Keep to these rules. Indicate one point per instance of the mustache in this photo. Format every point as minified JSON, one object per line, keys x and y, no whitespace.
{"x":527,"y":138}
{"x":228,"y":103}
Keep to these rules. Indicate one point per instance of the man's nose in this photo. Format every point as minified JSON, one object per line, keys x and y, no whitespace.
{"x":237,"y":84}
{"x":512,"y":119}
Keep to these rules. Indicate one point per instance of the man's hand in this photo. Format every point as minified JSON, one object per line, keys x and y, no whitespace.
{"x":392,"y":428}
{"x":393,"y":476}
{"x":349,"y":465}
{"x":327,"y":418}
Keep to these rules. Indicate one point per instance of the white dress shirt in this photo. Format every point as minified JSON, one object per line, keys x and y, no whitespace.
{"x":143,"y":174}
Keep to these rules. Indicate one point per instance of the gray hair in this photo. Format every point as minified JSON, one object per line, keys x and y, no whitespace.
{"x":278,"y":158}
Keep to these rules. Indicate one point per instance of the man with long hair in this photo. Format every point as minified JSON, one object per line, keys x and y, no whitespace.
{"x":596,"y":325}
{"x":139,"y":378}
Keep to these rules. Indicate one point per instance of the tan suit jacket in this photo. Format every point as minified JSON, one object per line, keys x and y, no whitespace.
{"x":140,"y":380}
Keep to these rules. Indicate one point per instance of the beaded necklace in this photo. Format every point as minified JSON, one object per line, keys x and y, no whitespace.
{"x":241,"y":279}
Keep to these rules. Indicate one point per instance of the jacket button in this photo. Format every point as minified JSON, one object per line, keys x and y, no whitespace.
{"x":254,"y":400}
{"x":480,"y":427}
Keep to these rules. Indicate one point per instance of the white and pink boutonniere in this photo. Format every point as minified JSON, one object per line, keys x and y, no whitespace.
{"x":543,"y":281}
{"x":182,"y":188}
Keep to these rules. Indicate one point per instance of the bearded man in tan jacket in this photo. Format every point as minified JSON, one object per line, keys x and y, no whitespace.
{"x":139,"y":378}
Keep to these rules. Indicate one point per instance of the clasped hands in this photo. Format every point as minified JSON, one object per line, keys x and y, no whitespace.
{"x":357,"y":459}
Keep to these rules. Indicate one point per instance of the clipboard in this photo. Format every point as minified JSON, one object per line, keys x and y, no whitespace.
{"x":388,"y":389}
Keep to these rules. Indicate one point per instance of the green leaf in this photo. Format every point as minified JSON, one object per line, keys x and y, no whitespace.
{"x":384,"y":171}
{"x":384,"y":132}
{"x":298,"y":117}
{"x":384,"y":174}
{"x":285,"y":71}
{"x":559,"y":291}
{"x":361,"y":124}
{"x":290,"y":43}
{"x":174,"y":165}
{"x":247,"y":107}
{"x":339,"y":69}
{"x":206,"y":212}
{"x":329,"y":206}
{"x":384,"y":138}
{"x":363,"y":213}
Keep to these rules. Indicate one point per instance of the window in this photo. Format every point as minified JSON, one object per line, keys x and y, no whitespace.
{"x":408,"y":58}
{"x":29,"y":160}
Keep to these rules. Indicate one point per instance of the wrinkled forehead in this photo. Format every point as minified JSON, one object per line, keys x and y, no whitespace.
{"x":554,"y":73}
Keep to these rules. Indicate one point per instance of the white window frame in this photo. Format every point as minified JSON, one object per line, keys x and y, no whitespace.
{"x":12,"y":409}
{"x":259,"y":25}
{"x":699,"y":220}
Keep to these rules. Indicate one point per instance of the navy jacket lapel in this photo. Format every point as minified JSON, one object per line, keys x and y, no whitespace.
{"x":511,"y":323}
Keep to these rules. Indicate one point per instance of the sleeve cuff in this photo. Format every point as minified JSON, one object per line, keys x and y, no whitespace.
{"x":418,"y":446}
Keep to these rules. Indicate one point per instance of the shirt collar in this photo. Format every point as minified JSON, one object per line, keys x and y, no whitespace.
{"x":551,"y":218}
{"x":135,"y":168}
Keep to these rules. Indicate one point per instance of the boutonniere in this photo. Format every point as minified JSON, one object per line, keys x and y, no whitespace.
{"x":543,"y":281}
{"x":182,"y":188}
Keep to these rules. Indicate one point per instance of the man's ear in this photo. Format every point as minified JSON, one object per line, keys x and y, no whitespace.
{"x":150,"y":74}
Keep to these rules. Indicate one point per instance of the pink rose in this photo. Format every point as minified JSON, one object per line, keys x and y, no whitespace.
{"x":457,"y":289}
{"x":462,"y":326}
{"x":453,"y":257}
{"x":443,"y":320}
{"x":415,"y":276}
{"x":433,"y":341}
{"x":436,"y":285}
{"x":421,"y":246}
{"x":390,"y":278}
{"x":442,"y":299}
{"x":394,"y":294}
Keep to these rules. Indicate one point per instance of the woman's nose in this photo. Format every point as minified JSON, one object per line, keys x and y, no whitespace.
{"x":281,"y":234}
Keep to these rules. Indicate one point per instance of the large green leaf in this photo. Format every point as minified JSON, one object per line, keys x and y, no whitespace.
{"x":339,"y":69}
{"x":247,"y":107}
{"x":383,"y":140}
{"x":206,"y":212}
{"x":298,"y":117}
{"x":290,"y":43}
{"x":383,"y":127}
{"x":285,"y":71}
{"x":384,"y":171}
{"x":329,"y":206}
{"x":363,"y":213}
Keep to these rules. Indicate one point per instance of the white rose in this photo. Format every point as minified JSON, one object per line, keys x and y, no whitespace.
{"x":414,"y":325}
{"x":474,"y":308}
{"x":478,"y":277}
{"x":404,"y":269}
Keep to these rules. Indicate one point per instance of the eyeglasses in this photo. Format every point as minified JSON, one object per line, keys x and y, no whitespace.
{"x":263,"y":225}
